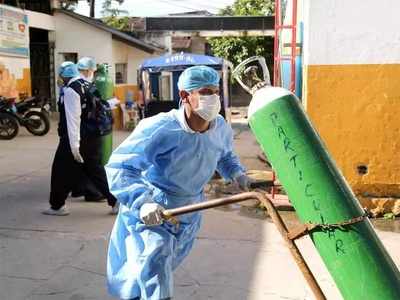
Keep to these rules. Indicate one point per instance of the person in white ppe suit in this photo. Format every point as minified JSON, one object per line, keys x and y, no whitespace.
{"x":78,"y":151}
{"x":165,"y":163}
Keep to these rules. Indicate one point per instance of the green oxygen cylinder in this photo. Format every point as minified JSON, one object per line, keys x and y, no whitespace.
{"x":353,"y":254}
{"x":105,"y":86}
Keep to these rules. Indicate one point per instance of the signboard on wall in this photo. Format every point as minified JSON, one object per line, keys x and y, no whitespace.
{"x":14,"y":32}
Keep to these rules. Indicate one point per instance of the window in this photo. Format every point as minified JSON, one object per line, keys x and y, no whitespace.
{"x":165,"y":86}
{"x":69,"y":56}
{"x":121,"y":73}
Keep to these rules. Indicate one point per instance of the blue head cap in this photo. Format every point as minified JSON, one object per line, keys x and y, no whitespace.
{"x":68,"y":70}
{"x":86,"y":63}
{"x":197,"y":77}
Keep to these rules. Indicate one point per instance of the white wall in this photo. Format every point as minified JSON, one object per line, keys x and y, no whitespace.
{"x":119,"y":56}
{"x":123,"y":53}
{"x":41,"y":21}
{"x":351,"y":32}
{"x":78,"y":37}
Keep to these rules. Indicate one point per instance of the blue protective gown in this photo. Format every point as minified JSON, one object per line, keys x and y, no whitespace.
{"x":163,"y":161}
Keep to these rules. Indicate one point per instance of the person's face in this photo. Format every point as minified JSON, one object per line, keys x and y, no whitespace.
{"x":64,"y":80}
{"x":87,"y":73}
{"x":192,"y":97}
{"x":60,"y":81}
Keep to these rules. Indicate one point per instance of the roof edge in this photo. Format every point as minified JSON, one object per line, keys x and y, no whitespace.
{"x":115,"y":33}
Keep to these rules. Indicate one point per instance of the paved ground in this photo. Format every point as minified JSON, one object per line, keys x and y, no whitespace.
{"x":237,"y":255}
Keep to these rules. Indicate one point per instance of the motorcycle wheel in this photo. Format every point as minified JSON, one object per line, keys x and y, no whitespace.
{"x":8,"y":127}
{"x":37,"y":123}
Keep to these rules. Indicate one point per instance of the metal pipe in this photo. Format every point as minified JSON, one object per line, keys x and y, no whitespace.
{"x":312,"y":282}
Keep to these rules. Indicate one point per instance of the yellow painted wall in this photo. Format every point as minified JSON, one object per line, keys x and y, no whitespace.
{"x":120,"y":91}
{"x":24,"y":85}
{"x":10,"y":86}
{"x":356,"y":110}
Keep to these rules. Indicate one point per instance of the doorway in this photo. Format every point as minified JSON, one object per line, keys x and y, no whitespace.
{"x":40,"y":62}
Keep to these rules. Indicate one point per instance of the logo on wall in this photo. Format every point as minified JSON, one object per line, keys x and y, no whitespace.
{"x":21,"y":27}
{"x":14,"y":33}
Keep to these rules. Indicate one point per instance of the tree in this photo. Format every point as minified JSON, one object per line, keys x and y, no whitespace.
{"x":237,"y":49}
{"x":71,"y":4}
{"x":109,"y":11}
{"x":249,"y":8}
{"x":120,"y":23}
{"x":92,"y":5}
{"x":112,"y":16}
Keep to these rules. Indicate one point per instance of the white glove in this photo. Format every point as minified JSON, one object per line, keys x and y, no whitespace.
{"x":77,"y":155}
{"x":151,"y":214}
{"x":244,"y":182}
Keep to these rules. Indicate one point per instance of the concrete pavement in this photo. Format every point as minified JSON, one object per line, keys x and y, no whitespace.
{"x":238,"y":255}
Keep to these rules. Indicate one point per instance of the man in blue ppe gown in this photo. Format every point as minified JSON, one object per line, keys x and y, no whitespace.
{"x":165,"y":163}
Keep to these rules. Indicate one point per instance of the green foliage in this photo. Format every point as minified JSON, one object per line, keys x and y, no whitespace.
{"x":111,"y":12}
{"x":249,"y":8}
{"x":120,"y":23}
{"x":389,"y":216}
{"x":112,"y":16}
{"x":236,"y":49}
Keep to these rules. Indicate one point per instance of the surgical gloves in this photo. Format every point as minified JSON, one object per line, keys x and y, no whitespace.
{"x":151,"y":214}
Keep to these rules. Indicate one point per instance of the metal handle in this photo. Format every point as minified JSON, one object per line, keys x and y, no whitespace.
{"x":170,"y":214}
{"x":236,"y":73}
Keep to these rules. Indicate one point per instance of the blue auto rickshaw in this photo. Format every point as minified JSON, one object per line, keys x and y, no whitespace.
{"x":158,"y":77}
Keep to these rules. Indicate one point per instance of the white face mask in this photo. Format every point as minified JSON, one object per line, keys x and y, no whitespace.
{"x":209,"y":107}
{"x":89,"y":78}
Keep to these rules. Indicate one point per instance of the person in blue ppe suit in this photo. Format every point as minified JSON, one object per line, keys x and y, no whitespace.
{"x":165,"y":163}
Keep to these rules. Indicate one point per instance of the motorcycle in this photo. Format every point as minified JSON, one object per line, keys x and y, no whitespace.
{"x":33,"y":103}
{"x":8,"y":123}
{"x":35,"y":108}
{"x":29,"y":113}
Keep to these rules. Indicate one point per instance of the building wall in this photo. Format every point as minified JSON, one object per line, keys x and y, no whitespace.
{"x":39,"y":20}
{"x":198,"y":45}
{"x":351,"y":73}
{"x":77,"y":37}
{"x":73,"y":36}
{"x":15,"y":77}
{"x":123,"y":53}
{"x":133,"y":57}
